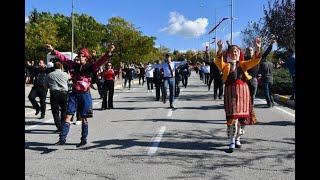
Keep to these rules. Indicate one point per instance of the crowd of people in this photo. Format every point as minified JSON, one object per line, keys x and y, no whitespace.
{"x":235,"y":74}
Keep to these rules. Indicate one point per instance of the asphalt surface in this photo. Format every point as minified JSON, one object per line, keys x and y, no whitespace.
{"x":144,"y":139}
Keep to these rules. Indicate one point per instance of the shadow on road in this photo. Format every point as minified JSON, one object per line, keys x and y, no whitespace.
{"x":177,"y":120}
{"x":277,"y":123}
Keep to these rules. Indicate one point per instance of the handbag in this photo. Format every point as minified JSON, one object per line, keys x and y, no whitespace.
{"x":82,"y":84}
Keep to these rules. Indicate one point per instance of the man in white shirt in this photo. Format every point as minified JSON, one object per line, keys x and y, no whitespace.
{"x":169,"y":77}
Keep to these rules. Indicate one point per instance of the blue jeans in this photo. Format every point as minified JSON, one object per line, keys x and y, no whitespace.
{"x":171,"y":82}
{"x":79,"y":102}
{"x":268,"y":93}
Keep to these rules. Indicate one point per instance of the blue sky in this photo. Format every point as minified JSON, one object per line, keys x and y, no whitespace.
{"x":177,"y":24}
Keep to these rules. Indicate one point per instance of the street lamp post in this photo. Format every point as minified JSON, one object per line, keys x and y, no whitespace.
{"x":231,"y":18}
{"x":72,"y":35}
{"x":215,"y":32}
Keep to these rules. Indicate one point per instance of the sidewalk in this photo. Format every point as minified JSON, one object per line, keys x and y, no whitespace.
{"x":284,"y":99}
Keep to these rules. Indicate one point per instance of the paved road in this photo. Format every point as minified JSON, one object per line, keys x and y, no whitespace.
{"x":144,"y":139}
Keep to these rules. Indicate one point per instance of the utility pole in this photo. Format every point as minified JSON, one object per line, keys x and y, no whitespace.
{"x":72,"y":35}
{"x":231,"y":18}
{"x":215,"y":32}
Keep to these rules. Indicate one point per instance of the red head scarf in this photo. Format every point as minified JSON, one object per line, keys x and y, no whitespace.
{"x":84,"y":52}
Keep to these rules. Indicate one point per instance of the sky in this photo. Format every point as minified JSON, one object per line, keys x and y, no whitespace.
{"x":177,"y":24}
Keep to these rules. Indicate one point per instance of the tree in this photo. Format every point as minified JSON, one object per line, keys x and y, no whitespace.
{"x":253,"y":30}
{"x":132,"y":46}
{"x":37,"y":33}
{"x":280,"y":22}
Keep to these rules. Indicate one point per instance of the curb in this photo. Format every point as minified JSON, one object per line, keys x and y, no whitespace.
{"x":284,"y":100}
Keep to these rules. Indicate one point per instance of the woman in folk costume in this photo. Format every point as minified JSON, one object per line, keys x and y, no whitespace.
{"x":238,"y":106}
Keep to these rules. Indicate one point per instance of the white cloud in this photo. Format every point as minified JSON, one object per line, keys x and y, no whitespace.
{"x":179,"y":25}
{"x":26,"y":19}
{"x":234,"y":35}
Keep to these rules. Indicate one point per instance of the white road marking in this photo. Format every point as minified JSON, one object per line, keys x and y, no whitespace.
{"x":169,"y":113}
{"x":280,"y":109}
{"x":156,"y":141}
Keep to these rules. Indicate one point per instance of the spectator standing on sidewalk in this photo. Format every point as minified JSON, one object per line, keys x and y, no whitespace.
{"x":266,"y":73}
{"x":58,"y":85}
{"x":290,"y":64}
{"x":237,"y":96}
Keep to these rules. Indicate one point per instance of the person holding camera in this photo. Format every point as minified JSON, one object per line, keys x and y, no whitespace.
{"x":80,"y":98}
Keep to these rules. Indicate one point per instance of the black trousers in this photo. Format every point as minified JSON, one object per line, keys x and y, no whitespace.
{"x":129,"y":81}
{"x":185,"y":79}
{"x":177,"y":89}
{"x":141,"y":77}
{"x":58,"y":101}
{"x":107,"y":101}
{"x":158,"y":84}
{"x":149,"y":83}
{"x":210,"y":81}
{"x":100,"y":84}
{"x":218,"y":85}
{"x":42,"y":94}
{"x":206,"y":78}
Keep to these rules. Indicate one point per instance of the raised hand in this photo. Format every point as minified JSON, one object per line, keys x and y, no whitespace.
{"x":220,"y":43}
{"x":111,"y":48}
{"x":49,"y":47}
{"x":258,"y":42}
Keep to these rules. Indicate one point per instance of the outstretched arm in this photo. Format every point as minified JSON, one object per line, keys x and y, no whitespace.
{"x":60,"y":56}
{"x":256,"y":57}
{"x":219,"y":58}
{"x":103,"y":59}
{"x":267,"y":52}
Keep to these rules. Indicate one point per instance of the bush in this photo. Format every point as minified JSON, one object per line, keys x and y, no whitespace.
{"x":282,"y":83}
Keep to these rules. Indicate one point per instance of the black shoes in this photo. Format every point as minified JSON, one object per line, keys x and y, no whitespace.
{"x":82,"y":143}
{"x":60,"y":143}
{"x":37,"y":111}
{"x":230,"y":150}
{"x":238,"y":144}
{"x":172,"y":106}
{"x":42,"y":116}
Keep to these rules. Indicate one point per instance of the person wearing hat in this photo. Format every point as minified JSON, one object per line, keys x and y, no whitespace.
{"x":169,"y":68}
{"x":80,"y":98}
{"x":237,"y":95}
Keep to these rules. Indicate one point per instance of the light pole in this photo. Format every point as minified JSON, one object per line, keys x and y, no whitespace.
{"x":231,"y":18}
{"x":72,"y":35}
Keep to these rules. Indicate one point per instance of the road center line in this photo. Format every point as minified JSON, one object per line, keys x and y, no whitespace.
{"x":156,"y":141}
